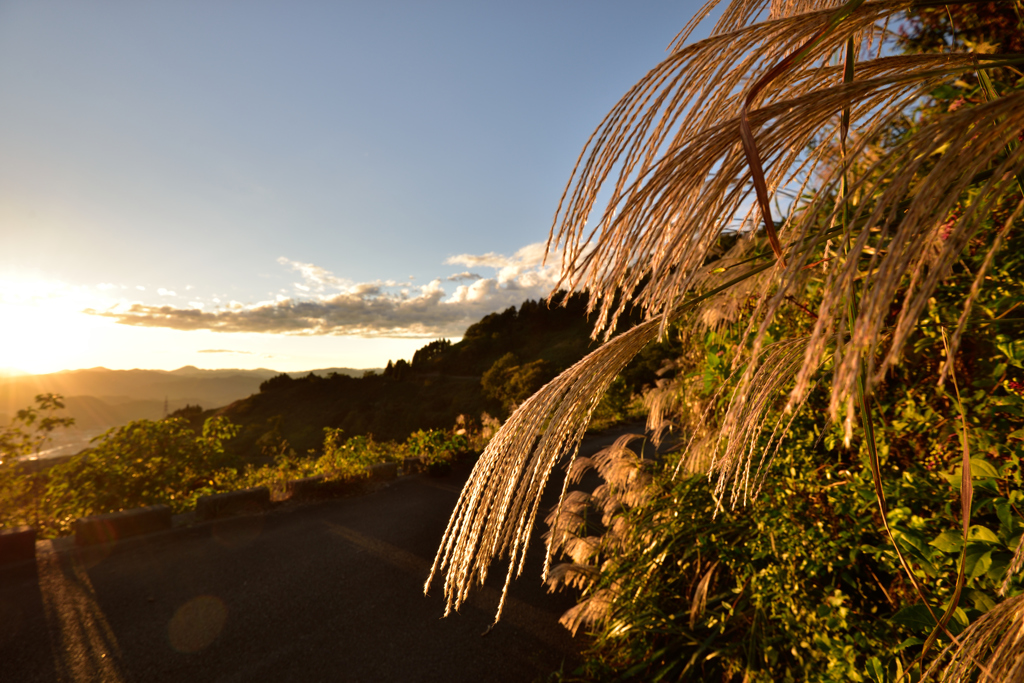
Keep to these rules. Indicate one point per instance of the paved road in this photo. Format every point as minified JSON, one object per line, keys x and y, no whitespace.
{"x":323,"y":592}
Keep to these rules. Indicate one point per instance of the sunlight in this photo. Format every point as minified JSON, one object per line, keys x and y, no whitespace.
{"x":43,"y":325}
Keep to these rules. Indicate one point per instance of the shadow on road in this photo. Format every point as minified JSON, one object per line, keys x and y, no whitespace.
{"x":326,"y":592}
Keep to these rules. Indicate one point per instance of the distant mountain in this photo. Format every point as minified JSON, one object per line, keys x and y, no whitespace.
{"x":99,"y":398}
{"x":443,"y":381}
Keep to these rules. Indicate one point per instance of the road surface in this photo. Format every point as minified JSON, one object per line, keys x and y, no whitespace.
{"x":331,"y":591}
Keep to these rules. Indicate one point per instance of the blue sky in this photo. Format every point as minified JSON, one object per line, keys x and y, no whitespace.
{"x":290,"y":184}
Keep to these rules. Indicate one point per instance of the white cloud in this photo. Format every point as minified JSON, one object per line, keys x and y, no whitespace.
{"x":314,"y":277}
{"x":465,"y":275}
{"x":330,"y":305}
{"x":166,"y":292}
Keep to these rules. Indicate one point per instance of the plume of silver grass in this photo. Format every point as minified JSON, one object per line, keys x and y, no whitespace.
{"x":992,"y":646}
{"x":627,"y":485}
{"x":681,"y":178}
{"x":497,"y":508}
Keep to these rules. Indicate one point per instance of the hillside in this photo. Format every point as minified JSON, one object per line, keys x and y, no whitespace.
{"x":443,"y":381}
{"x":499,"y":361}
{"x":100,"y":399}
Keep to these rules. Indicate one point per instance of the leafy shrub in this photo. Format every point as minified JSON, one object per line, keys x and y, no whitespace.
{"x":142,"y":463}
{"x":437,"y":447}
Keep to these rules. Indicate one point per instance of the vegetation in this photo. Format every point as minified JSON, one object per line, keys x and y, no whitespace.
{"x":847,"y":377}
{"x":332,"y":426}
{"x":166,"y":462}
{"x":500,"y":361}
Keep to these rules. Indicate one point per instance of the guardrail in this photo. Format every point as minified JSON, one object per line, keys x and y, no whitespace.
{"x":115,"y":526}
{"x":246,"y":501}
{"x":18,"y":545}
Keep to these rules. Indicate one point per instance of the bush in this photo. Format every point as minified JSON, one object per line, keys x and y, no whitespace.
{"x":142,"y":463}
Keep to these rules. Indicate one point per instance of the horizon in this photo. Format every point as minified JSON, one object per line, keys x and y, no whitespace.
{"x":11,"y":372}
{"x":290,"y":185}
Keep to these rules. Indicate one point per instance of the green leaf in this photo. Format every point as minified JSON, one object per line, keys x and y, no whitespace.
{"x":1014,"y":352}
{"x":981,"y":533}
{"x":977,"y":563}
{"x":875,"y":670}
{"x":915,"y":617}
{"x":983,"y":469}
{"x":948,"y":542}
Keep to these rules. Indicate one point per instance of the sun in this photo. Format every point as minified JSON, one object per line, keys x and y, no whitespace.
{"x":43,"y":327}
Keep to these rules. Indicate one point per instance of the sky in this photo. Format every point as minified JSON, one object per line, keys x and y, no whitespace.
{"x":290,"y":185}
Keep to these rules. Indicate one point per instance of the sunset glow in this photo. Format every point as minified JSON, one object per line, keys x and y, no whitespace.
{"x":173,"y":192}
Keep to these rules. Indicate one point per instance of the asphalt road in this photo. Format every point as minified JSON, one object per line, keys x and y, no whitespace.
{"x":331,"y":591}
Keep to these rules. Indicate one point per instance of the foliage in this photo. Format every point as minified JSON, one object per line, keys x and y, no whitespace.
{"x":27,"y":435}
{"x":438,"y":448}
{"x":165,"y":462}
{"x":437,"y":445}
{"x":802,"y":583}
{"x":443,"y":381}
{"x":142,"y":463}
{"x":892,"y":249}
{"x":276,"y":382}
{"x":31,"y":428}
{"x":432,"y":351}
{"x":618,"y":406}
{"x":510,"y":383}
{"x":342,"y":459}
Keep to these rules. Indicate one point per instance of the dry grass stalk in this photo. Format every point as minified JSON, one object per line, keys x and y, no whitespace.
{"x":671,"y":156}
{"x":991,"y":645}
{"x":497,"y":508}
{"x":571,"y":524}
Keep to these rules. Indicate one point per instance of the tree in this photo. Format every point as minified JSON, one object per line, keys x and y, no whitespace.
{"x":425,"y":357}
{"x":27,"y":435}
{"x":276,"y":383}
{"x":32,"y":428}
{"x":511,"y":383}
{"x":793,"y":100}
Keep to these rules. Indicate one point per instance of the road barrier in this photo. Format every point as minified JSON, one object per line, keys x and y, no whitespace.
{"x":384,"y":471}
{"x":414,"y":465}
{"x":116,"y":526}
{"x":17,"y":545}
{"x":317,"y":488}
{"x":246,"y":501}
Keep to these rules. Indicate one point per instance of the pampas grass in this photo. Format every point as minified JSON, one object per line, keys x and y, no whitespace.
{"x":882,"y":227}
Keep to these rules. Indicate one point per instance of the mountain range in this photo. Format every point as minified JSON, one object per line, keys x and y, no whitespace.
{"x":99,"y":398}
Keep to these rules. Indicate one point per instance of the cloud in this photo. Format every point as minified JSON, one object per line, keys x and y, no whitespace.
{"x":532,"y":255}
{"x":166,"y":292}
{"x":314,"y":277}
{"x":465,"y":275}
{"x":247,"y":353}
{"x":331,"y":305}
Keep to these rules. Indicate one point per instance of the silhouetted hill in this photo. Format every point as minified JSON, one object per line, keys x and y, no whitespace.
{"x":99,"y":398}
{"x":558,"y":333}
{"x":442,"y":382}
